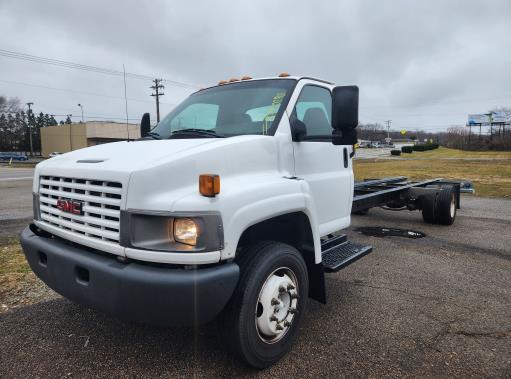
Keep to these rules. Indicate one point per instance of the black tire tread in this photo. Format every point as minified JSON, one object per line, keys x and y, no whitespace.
{"x":443,"y":216}
{"x":248,"y":262}
{"x":429,"y":208}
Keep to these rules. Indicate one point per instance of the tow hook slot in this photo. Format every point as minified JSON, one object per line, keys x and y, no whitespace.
{"x":43,"y":259}
{"x":82,"y":275}
{"x":381,"y":231}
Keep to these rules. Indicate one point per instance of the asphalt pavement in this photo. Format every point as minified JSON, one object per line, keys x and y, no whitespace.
{"x":439,"y":306}
{"x":15,"y":199}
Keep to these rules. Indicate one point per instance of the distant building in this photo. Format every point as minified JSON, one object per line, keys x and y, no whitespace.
{"x":68,"y":137}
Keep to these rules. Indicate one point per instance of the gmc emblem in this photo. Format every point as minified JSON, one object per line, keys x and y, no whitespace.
{"x":70,"y":206}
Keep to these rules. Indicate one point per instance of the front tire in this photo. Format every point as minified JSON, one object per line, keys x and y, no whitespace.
{"x":263,"y":316}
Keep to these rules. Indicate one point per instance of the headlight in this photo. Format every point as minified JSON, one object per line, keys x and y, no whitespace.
{"x":186,"y":231}
{"x":173,"y":232}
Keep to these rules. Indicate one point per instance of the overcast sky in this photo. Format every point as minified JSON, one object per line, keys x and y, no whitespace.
{"x":422,"y":64}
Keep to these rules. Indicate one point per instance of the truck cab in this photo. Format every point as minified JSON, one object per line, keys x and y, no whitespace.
{"x":229,"y":208}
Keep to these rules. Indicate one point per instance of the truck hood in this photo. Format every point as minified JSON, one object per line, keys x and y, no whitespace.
{"x":163,"y":165}
{"x":123,"y":156}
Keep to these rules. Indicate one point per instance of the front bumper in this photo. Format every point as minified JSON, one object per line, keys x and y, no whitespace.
{"x":134,"y":291}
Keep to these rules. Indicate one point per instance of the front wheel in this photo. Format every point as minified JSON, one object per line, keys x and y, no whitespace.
{"x":262,"y":318}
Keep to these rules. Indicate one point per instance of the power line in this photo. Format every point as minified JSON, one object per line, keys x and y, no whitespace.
{"x":83,"y":67}
{"x":80,"y":92}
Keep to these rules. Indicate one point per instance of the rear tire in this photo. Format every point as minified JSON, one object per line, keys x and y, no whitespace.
{"x":272,"y":274}
{"x":446,"y":206}
{"x":429,"y":208}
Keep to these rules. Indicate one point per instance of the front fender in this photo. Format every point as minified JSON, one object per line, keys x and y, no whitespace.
{"x":262,"y":199}
{"x":246,"y":200}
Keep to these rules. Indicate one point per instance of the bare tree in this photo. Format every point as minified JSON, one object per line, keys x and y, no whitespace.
{"x":9,"y":105}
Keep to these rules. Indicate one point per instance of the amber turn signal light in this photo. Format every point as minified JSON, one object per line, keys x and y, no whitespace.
{"x":209,"y":185}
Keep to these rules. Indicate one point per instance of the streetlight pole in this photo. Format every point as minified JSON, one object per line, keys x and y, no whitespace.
{"x":30,"y":129}
{"x":81,"y":107}
{"x":70,"y":135}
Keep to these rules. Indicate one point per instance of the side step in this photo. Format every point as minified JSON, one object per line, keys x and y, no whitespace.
{"x":342,"y":254}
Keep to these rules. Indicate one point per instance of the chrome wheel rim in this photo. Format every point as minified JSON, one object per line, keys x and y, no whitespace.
{"x":276,"y":305}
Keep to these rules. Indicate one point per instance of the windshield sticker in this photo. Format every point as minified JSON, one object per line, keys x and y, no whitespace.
{"x":272,"y":111}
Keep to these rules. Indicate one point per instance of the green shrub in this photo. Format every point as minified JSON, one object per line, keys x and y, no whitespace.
{"x":395,"y":152}
{"x":407,"y":149}
{"x":425,"y":147}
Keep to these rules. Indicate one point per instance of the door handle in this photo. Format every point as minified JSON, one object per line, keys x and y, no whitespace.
{"x":345,"y":155}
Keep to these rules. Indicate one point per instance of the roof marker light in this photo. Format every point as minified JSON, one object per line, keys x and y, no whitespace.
{"x":284,"y":75}
{"x":246,"y":77}
{"x":233,"y":80}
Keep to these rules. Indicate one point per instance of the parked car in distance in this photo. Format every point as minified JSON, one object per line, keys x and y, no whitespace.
{"x":54,"y":154}
{"x":13,"y":156}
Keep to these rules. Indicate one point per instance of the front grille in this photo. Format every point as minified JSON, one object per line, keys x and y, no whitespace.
{"x":101,"y":206}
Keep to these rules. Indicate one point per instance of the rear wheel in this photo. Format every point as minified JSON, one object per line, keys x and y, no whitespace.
{"x":429,"y":208}
{"x":262,"y":318}
{"x":446,"y":206}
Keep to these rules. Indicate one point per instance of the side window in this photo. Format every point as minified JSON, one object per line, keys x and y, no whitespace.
{"x":314,"y":109}
{"x":196,"y":116}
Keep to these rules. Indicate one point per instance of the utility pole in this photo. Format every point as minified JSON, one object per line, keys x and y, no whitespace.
{"x":156,"y":87}
{"x":30,"y":129}
{"x":388,"y":122}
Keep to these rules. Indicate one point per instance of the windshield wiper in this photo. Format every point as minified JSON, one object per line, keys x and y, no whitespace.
{"x":153,"y":135}
{"x":200,"y":132}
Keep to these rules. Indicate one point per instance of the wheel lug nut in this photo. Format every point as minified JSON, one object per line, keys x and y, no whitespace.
{"x":290,"y":287}
{"x":274,"y":318}
{"x":282,"y":289}
{"x":287,"y":324}
{"x":275,"y":302}
{"x":279,"y":327}
{"x":293,"y":310}
{"x":294,"y":296}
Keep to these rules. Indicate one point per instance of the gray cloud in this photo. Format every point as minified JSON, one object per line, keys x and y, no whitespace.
{"x":422,"y":64}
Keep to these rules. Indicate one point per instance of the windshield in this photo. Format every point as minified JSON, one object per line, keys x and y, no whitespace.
{"x":252,"y":107}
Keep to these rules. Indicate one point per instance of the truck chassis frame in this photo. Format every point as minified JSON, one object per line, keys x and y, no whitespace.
{"x":398,"y":193}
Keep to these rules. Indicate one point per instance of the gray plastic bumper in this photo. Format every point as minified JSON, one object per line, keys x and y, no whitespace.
{"x":135,"y":291}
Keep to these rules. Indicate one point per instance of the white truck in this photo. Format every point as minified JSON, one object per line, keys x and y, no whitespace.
{"x":226,"y":209}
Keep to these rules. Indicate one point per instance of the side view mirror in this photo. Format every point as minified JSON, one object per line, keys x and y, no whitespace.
{"x":344,"y":113}
{"x":145,"y":125}
{"x":344,"y":137}
{"x":298,"y":130}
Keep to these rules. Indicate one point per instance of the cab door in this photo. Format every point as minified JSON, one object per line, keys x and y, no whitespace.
{"x":325,"y":168}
